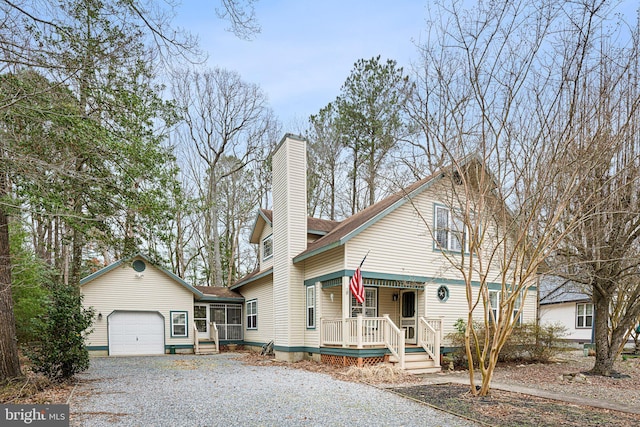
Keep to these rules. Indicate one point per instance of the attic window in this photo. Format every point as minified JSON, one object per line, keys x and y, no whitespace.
{"x":457,"y":179}
{"x":139,"y":265}
{"x":267,"y":247}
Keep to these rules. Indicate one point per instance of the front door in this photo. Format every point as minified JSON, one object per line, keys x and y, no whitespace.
{"x":201,"y":318}
{"x":408,"y":315}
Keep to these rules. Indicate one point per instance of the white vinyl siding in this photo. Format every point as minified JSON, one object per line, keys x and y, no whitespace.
{"x":289,"y":239}
{"x":262,"y":291}
{"x":123,"y":289}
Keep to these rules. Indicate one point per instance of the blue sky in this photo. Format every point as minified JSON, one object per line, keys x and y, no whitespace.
{"x":307,"y":49}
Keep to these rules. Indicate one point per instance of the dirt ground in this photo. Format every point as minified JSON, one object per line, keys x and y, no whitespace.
{"x":503,"y":408}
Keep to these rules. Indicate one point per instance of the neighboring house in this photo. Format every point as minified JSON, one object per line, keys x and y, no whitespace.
{"x":566,"y":302}
{"x":299,"y":296}
{"x":143,"y":309}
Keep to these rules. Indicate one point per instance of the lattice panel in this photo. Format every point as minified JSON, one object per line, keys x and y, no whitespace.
{"x":333,"y":360}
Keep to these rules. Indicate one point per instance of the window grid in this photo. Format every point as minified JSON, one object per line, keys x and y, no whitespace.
{"x":267,"y":247}
{"x":369,"y":308}
{"x":252,"y":314}
{"x":450,"y":231}
{"x":179,"y":324}
{"x":584,"y":315}
{"x":311,"y":307}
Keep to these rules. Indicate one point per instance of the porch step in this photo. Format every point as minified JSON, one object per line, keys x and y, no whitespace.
{"x":207,"y":349}
{"x":417,"y":363}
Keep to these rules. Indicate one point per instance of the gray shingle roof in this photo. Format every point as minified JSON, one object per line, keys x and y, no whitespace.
{"x":555,"y":290}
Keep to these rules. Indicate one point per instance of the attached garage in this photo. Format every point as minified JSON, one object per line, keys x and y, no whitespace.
{"x":136,"y":333}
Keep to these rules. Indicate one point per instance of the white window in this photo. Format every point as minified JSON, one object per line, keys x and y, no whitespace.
{"x":369,"y":308}
{"x":252,"y":314}
{"x":450,"y":231}
{"x":494,"y":305}
{"x":311,"y":307}
{"x":178,"y":323}
{"x":516,"y":308}
{"x":267,"y":247}
{"x":584,"y":315}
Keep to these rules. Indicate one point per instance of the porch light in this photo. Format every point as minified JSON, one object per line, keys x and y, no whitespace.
{"x":395,"y":297}
{"x":99,"y":316}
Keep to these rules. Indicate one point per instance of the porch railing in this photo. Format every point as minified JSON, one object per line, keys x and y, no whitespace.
{"x":394,"y":340}
{"x":364,"y":331}
{"x":429,"y":330}
{"x":213,"y":335}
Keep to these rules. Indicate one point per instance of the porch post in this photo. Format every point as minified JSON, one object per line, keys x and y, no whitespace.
{"x":359,"y":330}
{"x":346,"y":307}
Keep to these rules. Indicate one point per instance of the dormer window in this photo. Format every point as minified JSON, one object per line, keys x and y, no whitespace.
{"x":267,"y":247}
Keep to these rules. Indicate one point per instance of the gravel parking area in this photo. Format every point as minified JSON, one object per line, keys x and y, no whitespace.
{"x":187,"y":390}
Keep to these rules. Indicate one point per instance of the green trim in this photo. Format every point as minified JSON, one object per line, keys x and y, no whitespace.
{"x":354,"y":352}
{"x":326,"y":277}
{"x":404,"y":281}
{"x":186,"y":323}
{"x":98,"y":348}
{"x":255,"y":224}
{"x":294,"y":349}
{"x":265,"y":273}
{"x":211,"y":298}
{"x":169,"y":346}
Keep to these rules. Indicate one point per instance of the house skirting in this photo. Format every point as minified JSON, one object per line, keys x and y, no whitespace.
{"x":337,"y":360}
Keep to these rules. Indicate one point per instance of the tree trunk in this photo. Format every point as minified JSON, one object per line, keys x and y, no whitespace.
{"x":605,"y":357}
{"x":9,"y":362}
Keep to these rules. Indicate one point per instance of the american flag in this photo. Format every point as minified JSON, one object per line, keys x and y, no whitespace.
{"x":356,"y":286}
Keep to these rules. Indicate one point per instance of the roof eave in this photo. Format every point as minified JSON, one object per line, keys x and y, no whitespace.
{"x":251,"y":279}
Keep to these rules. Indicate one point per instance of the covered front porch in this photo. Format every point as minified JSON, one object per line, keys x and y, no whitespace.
{"x":391,"y":322}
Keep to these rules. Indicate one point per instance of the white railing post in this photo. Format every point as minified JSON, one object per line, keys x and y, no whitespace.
{"x":346,"y":333}
{"x":213,"y":335}
{"x":321,"y":331}
{"x":359,"y":331}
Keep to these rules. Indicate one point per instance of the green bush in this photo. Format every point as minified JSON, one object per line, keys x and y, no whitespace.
{"x":528,"y":342}
{"x":61,"y":353}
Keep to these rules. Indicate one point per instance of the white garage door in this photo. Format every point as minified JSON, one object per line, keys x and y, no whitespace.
{"x":136,"y":332}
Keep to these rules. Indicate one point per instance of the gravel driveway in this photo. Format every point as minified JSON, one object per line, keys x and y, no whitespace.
{"x":219,"y":390}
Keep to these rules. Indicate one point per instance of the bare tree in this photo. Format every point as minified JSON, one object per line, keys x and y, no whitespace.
{"x":499,"y":84}
{"x":224,"y":116}
{"x":603,"y":253}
